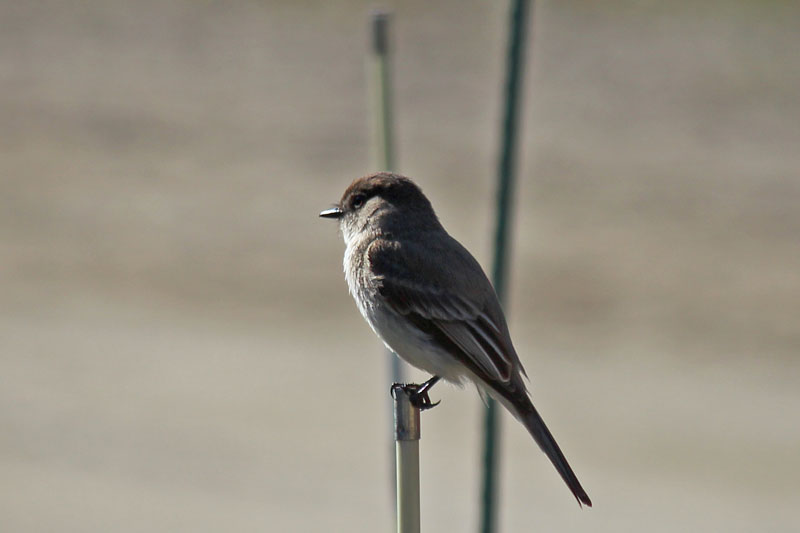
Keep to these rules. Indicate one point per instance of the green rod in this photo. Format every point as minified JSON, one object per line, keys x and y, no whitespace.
{"x":506,"y":168}
{"x":383,"y":88}
{"x":384,"y":119}
{"x":380,"y":83}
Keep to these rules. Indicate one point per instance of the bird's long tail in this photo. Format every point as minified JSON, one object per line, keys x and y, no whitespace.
{"x":522,"y":408}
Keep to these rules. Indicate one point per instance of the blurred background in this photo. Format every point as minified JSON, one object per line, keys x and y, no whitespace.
{"x":178,"y":350}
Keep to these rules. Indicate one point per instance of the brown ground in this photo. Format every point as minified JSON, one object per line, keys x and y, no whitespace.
{"x":179,"y":351}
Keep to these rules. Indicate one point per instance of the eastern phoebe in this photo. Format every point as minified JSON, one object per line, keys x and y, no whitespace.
{"x":429,"y":301}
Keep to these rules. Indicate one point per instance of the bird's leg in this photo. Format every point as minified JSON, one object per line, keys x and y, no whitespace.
{"x":428,"y":385}
{"x":420,"y":398}
{"x":418,"y":394}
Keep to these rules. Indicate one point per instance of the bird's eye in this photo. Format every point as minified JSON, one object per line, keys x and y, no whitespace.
{"x":358,"y":201}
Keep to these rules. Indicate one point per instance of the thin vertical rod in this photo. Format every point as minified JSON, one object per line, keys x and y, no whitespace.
{"x":506,"y":170}
{"x":406,"y":436}
{"x":382,"y":85}
{"x":384,"y":119}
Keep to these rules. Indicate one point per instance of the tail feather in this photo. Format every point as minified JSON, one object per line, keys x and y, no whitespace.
{"x":522,"y":408}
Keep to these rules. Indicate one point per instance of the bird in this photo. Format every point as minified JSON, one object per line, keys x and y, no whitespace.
{"x":428,"y":299}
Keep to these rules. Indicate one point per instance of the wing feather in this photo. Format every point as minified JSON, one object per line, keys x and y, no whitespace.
{"x":477,"y":337}
{"x":459,"y":309}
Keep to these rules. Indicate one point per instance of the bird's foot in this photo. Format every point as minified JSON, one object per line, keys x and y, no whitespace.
{"x":418,"y":394}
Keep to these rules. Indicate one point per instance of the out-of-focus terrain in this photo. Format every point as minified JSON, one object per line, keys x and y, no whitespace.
{"x":178,"y":350}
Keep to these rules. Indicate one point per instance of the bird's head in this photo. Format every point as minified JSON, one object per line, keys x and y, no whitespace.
{"x":382,"y":203}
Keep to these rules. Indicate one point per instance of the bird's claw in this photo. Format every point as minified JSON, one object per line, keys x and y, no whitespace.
{"x":417,"y":395}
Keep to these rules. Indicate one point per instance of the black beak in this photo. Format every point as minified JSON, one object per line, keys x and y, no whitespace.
{"x":333,"y":212}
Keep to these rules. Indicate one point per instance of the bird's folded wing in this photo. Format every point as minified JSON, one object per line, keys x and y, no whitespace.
{"x":478,"y":340}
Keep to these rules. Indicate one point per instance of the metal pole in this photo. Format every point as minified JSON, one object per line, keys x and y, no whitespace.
{"x":506,"y":168}
{"x":406,"y":436}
